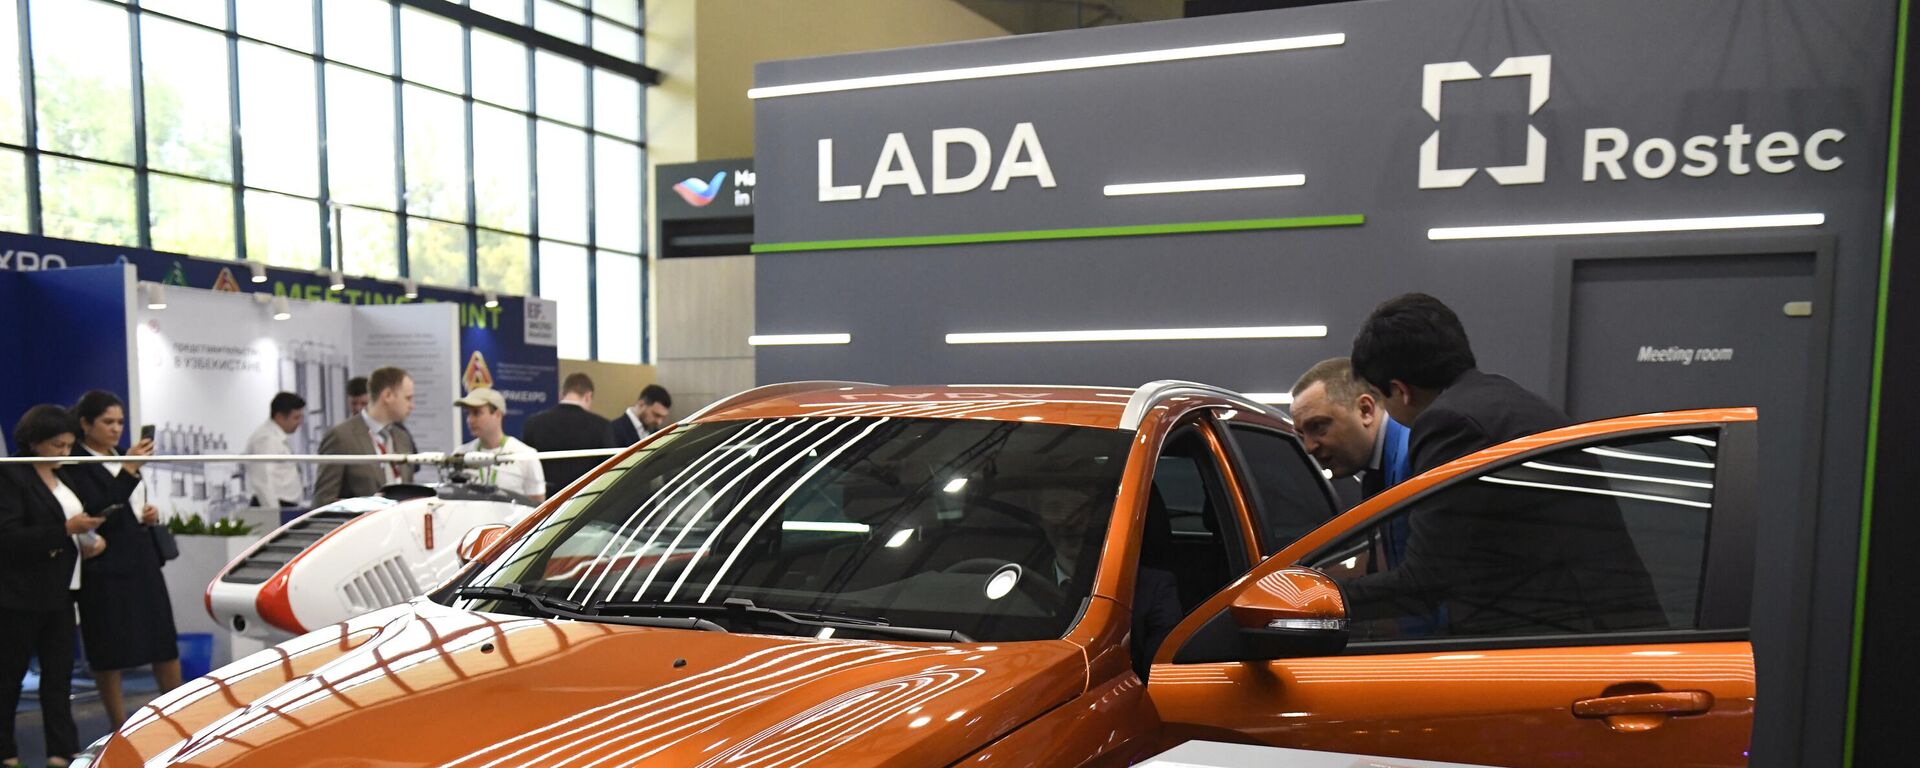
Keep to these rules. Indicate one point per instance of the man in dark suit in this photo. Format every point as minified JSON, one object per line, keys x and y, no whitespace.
{"x":1484,"y":559}
{"x":1415,"y":351}
{"x":377,"y":430}
{"x":1344,"y":427}
{"x":644,"y":417}
{"x":568,"y":426}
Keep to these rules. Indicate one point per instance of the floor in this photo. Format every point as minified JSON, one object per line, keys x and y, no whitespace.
{"x":87,"y":713}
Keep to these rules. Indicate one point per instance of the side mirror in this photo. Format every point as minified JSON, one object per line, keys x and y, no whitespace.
{"x":477,"y":541}
{"x":1291,"y":612}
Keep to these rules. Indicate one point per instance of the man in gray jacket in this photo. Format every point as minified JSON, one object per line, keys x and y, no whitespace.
{"x":377,"y":430}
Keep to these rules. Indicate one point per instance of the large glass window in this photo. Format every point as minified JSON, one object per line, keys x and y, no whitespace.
{"x":13,"y":123}
{"x":360,"y":158}
{"x":369,"y":242}
{"x":563,"y":182}
{"x":360,"y":32}
{"x":619,"y":307}
{"x":278,"y":121}
{"x":1593,"y":539}
{"x":436,"y":154}
{"x":616,"y":194}
{"x":499,"y":70}
{"x":189,"y":125}
{"x":560,"y":88}
{"x":283,"y":231}
{"x":82,"y":79}
{"x":286,"y":22}
{"x":13,"y":191}
{"x":500,"y":168}
{"x":506,"y":262}
{"x":438,"y":252}
{"x":191,"y":217}
{"x":430,"y":51}
{"x":563,"y":278}
{"x":87,"y":201}
{"x":239,"y":124}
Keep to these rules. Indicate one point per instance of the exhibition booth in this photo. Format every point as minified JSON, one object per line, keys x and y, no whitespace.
{"x":198,"y":348}
{"x":1634,"y":207}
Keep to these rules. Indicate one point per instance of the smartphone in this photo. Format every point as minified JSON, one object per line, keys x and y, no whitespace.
{"x":146,"y":432}
{"x":114,"y":510}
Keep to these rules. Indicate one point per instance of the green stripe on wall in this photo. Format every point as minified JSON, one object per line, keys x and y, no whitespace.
{"x":1195,"y":227}
{"x":1874,"y":394}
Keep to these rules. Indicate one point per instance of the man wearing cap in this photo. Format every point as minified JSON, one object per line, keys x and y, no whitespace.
{"x":485,"y":410}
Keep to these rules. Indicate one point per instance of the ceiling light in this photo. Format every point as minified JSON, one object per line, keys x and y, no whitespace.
{"x":797,"y":339}
{"x":156,"y":296}
{"x":336,"y":281}
{"x":493,"y":299}
{"x":1205,"y":185}
{"x":1270,"y":398}
{"x":1143,"y":334}
{"x":1627,"y":227}
{"x":1052,"y":65}
{"x":815,"y":526}
{"x":954,"y":485}
{"x":899,"y":538}
{"x":259,"y":272}
{"x":282,"y":310}
{"x":410,"y":288}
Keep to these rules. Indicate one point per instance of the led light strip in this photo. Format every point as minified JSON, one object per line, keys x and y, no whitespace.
{"x":1143,"y":334}
{"x":1205,"y":185}
{"x":1613,"y":453}
{"x":1600,"y":492}
{"x":1545,"y":467}
{"x":1051,"y":65}
{"x":798,"y":339}
{"x":1627,"y":227}
{"x":1270,"y":398}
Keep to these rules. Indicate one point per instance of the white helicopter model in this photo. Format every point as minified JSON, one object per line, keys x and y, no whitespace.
{"x":359,"y":554}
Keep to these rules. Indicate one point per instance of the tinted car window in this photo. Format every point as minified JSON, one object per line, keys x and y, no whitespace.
{"x":906,"y":521}
{"x":1290,"y":495}
{"x":1603,"y":538}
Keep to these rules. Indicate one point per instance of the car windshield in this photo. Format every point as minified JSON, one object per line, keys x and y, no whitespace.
{"x":988,"y":530}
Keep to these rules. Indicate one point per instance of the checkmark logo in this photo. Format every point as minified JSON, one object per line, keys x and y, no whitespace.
{"x":699,"y":193}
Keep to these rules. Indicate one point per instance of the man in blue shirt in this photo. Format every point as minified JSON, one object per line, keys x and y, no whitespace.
{"x":1344,"y":427}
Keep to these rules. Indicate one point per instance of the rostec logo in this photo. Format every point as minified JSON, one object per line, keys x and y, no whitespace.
{"x":698,"y":193}
{"x":1540,"y":71}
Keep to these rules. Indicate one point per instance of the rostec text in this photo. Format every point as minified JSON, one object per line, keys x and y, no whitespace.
{"x":1776,"y":152}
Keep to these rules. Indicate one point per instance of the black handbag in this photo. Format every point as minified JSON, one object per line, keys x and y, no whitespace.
{"x":163,"y":542}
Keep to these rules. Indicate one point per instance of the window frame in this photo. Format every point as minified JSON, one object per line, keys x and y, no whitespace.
{"x":1726,"y":588}
{"x":1252,"y":487}
{"x":1221,"y":489}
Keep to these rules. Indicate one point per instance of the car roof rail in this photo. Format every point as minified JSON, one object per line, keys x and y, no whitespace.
{"x":1153,"y":393}
{"x":769,"y":392}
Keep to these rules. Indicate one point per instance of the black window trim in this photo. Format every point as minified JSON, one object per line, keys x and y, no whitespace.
{"x":1243,"y":469}
{"x":1726,"y":579}
{"x":1219,"y":496}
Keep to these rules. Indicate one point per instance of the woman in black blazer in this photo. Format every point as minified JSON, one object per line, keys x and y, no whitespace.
{"x":126,"y":620}
{"x":44,"y":531}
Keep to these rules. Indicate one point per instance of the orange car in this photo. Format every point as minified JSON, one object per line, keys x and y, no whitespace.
{"x":840,"y":574}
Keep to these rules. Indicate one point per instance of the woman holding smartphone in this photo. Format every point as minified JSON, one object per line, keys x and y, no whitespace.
{"x":44,"y":533}
{"x":126,"y":620}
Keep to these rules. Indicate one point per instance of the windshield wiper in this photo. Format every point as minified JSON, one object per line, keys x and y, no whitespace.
{"x":561,"y":608}
{"x":741,"y":607}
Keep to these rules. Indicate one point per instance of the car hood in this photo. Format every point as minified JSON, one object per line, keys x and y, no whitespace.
{"x":423,"y":684}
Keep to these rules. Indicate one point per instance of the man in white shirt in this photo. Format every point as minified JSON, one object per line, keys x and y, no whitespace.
{"x":277,"y":484}
{"x":486,"y":409}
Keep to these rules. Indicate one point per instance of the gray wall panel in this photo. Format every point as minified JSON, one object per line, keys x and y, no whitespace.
{"x":1350,"y":119}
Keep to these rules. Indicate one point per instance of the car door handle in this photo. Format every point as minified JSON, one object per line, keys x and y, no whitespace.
{"x":1657,"y":703}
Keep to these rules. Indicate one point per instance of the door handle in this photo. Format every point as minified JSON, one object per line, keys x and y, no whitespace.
{"x":1660,"y":703}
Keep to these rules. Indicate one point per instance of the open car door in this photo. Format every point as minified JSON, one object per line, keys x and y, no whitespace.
{"x":1574,"y":598}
